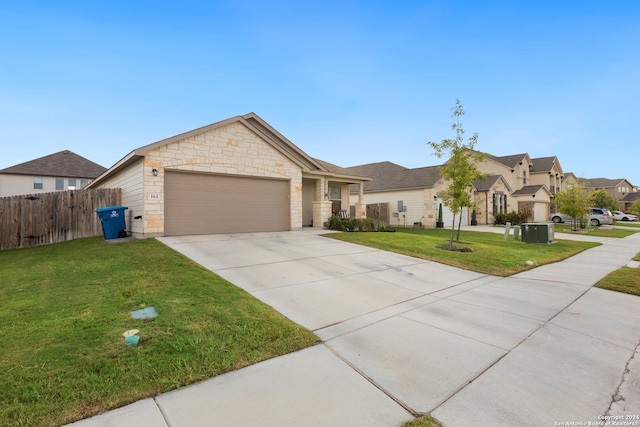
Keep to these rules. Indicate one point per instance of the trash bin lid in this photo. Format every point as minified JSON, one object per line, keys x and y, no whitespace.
{"x":111,"y":208}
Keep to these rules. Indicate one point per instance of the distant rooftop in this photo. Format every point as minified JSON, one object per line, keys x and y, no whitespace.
{"x":61,"y":164}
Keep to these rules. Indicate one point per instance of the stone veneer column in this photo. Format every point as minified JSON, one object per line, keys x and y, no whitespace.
{"x":321,"y":213}
{"x":361,"y":208}
{"x":321,"y":204}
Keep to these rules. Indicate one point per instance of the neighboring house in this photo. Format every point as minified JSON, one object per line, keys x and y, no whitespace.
{"x":491,"y":196}
{"x":237,"y":175}
{"x":621,"y":189}
{"x":548,"y":172}
{"x":532,"y":182}
{"x":618,"y":188}
{"x":414,"y":195}
{"x":513,"y":183}
{"x":60,"y":171}
{"x":629,"y":200}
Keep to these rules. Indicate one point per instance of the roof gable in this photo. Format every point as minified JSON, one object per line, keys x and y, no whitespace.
{"x":529,"y":190}
{"x":255,"y":124}
{"x":511,"y":161}
{"x":61,"y":164}
{"x":543,"y":164}
{"x":490,"y":182}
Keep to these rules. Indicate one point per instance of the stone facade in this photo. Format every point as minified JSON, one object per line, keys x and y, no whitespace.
{"x":232,"y":149}
{"x":243,"y":146}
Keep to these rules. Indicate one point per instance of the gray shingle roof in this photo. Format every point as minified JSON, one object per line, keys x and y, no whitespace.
{"x":486,"y":185}
{"x":388,"y":176}
{"x":510,"y":161}
{"x":337,"y":169}
{"x":601,"y":182}
{"x":61,"y":164}
{"x":543,"y":164}
{"x":631,"y":197}
{"x":527,"y":190}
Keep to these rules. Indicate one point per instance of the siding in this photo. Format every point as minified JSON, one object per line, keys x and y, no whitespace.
{"x":130,"y":180}
{"x":18,"y":185}
{"x":414,"y":200}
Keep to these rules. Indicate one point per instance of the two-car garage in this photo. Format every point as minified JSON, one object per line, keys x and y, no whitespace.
{"x":202,"y":203}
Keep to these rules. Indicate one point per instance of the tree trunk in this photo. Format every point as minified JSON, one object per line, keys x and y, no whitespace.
{"x":453,"y":229}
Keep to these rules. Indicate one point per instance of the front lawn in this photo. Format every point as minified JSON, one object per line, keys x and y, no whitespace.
{"x":634,"y":224}
{"x":491,"y":253}
{"x":64,"y":309}
{"x":603,"y":231}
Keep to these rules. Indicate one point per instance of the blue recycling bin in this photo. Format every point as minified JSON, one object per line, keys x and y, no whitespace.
{"x":112,"y":219}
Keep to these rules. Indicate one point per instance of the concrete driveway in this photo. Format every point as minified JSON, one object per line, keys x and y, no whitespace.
{"x":403,"y":336}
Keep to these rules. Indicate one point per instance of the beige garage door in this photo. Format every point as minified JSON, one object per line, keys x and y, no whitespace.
{"x":212,"y":204}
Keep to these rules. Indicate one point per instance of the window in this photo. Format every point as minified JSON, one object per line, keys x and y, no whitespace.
{"x":83,"y":183}
{"x":335,"y":192}
{"x":59,"y":184}
{"x":38,"y":183}
{"x":71,"y":185}
{"x":524,"y":177}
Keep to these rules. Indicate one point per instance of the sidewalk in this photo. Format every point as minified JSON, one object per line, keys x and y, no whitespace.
{"x":403,"y":336}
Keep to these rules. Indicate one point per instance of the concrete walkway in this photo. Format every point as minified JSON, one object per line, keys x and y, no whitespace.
{"x":403,"y":336}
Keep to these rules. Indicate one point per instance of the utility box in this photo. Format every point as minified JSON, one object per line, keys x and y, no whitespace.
{"x":537,"y":232}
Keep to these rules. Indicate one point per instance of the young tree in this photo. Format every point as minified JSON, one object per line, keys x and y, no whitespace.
{"x":635,"y":207}
{"x":573,"y":201}
{"x":602,"y":199}
{"x":460,"y":170}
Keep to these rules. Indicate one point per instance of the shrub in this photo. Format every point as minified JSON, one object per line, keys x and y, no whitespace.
{"x":364,"y":224}
{"x":341,"y":224}
{"x":513,"y":217}
{"x":350,"y":224}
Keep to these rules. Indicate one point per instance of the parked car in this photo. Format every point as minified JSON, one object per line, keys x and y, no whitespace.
{"x":596,"y":216}
{"x":560,"y":217}
{"x":621,"y":216}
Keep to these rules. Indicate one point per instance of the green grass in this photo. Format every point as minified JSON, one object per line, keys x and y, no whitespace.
{"x":595,"y":231}
{"x":423,"y":421}
{"x":491,"y":254}
{"x":634,"y":224}
{"x":625,"y":279}
{"x":64,"y":309}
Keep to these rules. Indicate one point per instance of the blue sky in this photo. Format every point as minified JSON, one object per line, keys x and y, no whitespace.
{"x":349,"y":82}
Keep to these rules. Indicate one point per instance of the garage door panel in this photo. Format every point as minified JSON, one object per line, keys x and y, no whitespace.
{"x":209,"y":204}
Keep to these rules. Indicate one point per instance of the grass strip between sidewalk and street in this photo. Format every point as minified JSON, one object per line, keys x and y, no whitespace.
{"x":490,"y":252}
{"x":65,"y":307}
{"x":595,"y":231}
{"x":625,"y":279}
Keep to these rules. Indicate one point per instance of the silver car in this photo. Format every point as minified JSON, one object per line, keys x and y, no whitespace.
{"x":597,"y":217}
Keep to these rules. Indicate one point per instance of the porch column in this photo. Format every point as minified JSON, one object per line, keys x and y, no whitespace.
{"x":321,"y":204}
{"x":361,"y":208}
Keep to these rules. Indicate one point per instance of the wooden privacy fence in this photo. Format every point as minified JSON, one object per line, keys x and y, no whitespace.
{"x":38,"y":219}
